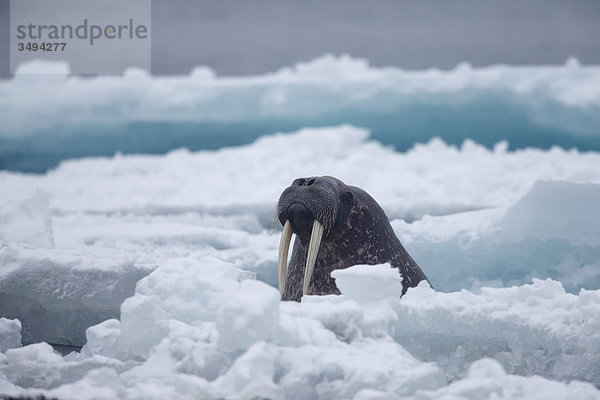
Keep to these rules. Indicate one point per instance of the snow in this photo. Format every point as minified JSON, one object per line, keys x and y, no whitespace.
{"x":552,"y":231}
{"x":556,"y":210}
{"x":10,"y":334}
{"x":336,"y":84}
{"x":138,"y":113}
{"x":164,"y":268}
{"x":27,"y":221}
{"x":250,"y":315}
{"x":367,"y":282}
{"x":331,"y":346}
{"x":103,"y":339}
{"x":537,"y":329}
{"x":487,"y":380}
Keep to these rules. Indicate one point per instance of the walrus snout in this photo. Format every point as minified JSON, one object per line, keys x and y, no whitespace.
{"x":301,"y":220}
{"x":308,"y":208}
{"x":317,"y":196}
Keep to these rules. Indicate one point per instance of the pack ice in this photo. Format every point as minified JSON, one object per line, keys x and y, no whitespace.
{"x":164,"y":269}
{"x":140,"y":113}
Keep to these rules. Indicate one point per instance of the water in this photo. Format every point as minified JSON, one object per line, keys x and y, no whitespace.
{"x":485,"y":123}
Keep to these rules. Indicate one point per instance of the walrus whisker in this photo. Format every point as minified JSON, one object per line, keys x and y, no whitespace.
{"x":313,"y":250}
{"x":284,"y":246}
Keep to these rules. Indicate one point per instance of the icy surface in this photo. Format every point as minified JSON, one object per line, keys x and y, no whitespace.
{"x":336,"y":84}
{"x":427,"y":345}
{"x":367,"y":282}
{"x":138,"y":113}
{"x":171,"y":245}
{"x":10,"y":334}
{"x":103,"y":339}
{"x":556,"y":210}
{"x":536,"y":328}
{"x":88,"y":231}
{"x":552,"y":231}
{"x":27,"y":221}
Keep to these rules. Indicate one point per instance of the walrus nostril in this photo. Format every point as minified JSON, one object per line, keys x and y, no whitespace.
{"x":304,"y":182}
{"x":298,"y":182}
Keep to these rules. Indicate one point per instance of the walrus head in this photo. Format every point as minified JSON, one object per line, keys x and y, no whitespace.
{"x":336,"y":226}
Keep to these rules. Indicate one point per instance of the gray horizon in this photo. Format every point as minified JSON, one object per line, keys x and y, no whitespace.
{"x":247,"y":38}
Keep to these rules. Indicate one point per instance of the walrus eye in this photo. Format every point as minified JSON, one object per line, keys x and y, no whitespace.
{"x":347,"y":198}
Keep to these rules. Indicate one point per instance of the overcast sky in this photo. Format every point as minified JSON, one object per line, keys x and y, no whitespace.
{"x":250,"y":37}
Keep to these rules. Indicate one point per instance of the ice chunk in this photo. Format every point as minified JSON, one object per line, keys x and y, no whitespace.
{"x":486,"y":379}
{"x":530,"y":329}
{"x":342,"y":370}
{"x":552,"y":231}
{"x":369,"y":282}
{"x":7,"y":388}
{"x":10,"y":334}
{"x":38,"y":366}
{"x":103,"y":339}
{"x":345,"y":318}
{"x":191,"y":291}
{"x":252,"y":375}
{"x":27,"y":221}
{"x":556,"y":210}
{"x":57,"y":302}
{"x":296,"y":330}
{"x":33,"y":353}
{"x":101,"y":383}
{"x":141,"y":330}
{"x":250,"y":315}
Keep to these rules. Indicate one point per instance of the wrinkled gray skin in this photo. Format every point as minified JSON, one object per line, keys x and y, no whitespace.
{"x":356,"y":231}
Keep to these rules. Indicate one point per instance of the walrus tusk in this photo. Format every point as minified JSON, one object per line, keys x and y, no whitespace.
{"x":284,"y":246}
{"x":313,"y":250}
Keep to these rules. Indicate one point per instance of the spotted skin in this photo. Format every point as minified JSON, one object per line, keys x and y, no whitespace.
{"x":357,"y":231}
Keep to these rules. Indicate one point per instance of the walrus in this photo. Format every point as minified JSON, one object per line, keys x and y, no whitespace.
{"x":336,"y":226}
